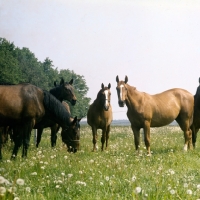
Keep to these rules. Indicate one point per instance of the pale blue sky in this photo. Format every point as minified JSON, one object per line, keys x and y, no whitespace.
{"x":155,"y":43}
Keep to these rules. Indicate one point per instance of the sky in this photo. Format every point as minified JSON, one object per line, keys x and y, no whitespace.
{"x":155,"y":43}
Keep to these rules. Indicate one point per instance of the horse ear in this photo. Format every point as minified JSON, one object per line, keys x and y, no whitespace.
{"x":62,"y":81}
{"x":109,"y":86}
{"x":102,"y":85}
{"x":71,"y":82}
{"x":126,"y":79}
{"x":79,"y":119}
{"x":55,"y":83}
{"x":75,"y":120}
{"x":199,"y":79}
{"x":117,"y":78}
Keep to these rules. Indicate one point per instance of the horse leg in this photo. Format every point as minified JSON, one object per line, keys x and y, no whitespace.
{"x":107,"y":135}
{"x":39,"y":135}
{"x":26,"y":137}
{"x":147,"y":136}
{"x":94,"y":132}
{"x":136,"y":133}
{"x":103,"y":138}
{"x":53,"y":135}
{"x":17,"y":139}
{"x":185,"y":127}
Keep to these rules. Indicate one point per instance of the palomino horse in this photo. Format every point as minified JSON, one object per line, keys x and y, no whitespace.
{"x":70,"y":136}
{"x":196,"y":117}
{"x":64,"y":91}
{"x":99,"y":115}
{"x":145,"y":111}
{"x":24,"y":105}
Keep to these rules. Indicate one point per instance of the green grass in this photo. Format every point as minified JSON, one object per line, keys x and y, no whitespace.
{"x":117,"y":173}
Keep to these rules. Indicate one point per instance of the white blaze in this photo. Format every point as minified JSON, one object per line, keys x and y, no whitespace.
{"x":106,"y":94}
{"x":121,"y":87}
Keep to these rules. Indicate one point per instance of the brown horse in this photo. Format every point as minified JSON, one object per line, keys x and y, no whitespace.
{"x":24,"y":105}
{"x":196,"y":117}
{"x":145,"y":111}
{"x":64,"y":91}
{"x":99,"y":116}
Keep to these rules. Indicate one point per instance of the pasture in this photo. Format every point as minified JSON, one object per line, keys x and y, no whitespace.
{"x":118,"y":173}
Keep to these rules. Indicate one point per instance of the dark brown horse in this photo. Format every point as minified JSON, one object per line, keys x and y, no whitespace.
{"x":70,"y":136}
{"x":196,"y":117}
{"x":145,"y":111}
{"x":64,"y":91}
{"x":99,"y":116}
{"x":24,"y":105}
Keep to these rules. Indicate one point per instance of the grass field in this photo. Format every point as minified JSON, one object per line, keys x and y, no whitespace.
{"x":118,"y":173}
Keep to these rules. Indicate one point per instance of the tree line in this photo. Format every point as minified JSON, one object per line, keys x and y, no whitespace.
{"x":20,"y":65}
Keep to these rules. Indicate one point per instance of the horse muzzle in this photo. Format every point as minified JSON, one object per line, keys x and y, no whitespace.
{"x":121,"y":103}
{"x":73,"y":102}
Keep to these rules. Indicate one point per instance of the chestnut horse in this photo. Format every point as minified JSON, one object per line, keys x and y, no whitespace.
{"x":145,"y":111}
{"x":64,"y":91}
{"x":196,"y":117}
{"x":99,"y":116}
{"x":24,"y":105}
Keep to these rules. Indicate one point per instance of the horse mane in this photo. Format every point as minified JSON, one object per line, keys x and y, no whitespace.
{"x":55,"y":107}
{"x":197,"y":97}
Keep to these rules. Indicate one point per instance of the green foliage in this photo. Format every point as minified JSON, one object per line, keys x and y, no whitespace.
{"x":20,"y":65}
{"x":118,"y":173}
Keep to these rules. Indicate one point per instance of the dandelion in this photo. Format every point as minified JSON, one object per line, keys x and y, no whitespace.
{"x":138,"y":190}
{"x":28,"y":189}
{"x":2,"y":190}
{"x":34,"y":173}
{"x":91,"y":161}
{"x":16,"y":198}
{"x":20,"y":181}
{"x":81,"y":183}
{"x":107,"y":178}
{"x":65,"y":157}
{"x":2,"y":179}
{"x":185,"y":185}
{"x":57,"y":186}
{"x":63,"y":174}
{"x":189,"y":192}
{"x":80,"y":172}
{"x":43,"y":167}
{"x":198,"y":186}
{"x":133,"y":179}
{"x":70,"y":175}
{"x":172,"y":191}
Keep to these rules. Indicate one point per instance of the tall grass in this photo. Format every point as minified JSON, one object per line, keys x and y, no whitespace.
{"x":118,"y":173}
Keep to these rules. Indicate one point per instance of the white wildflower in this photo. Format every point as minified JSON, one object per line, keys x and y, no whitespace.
{"x":172,"y":191}
{"x":2,"y":179}
{"x":133,"y":179}
{"x":2,"y":190}
{"x":20,"y":181}
{"x":138,"y":190}
{"x":189,"y":192}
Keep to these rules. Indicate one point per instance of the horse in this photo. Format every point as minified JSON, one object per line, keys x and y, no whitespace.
{"x":145,"y":111}
{"x":196,"y":117}
{"x":24,"y":105}
{"x":99,"y":115}
{"x":70,"y":136}
{"x":64,"y":91}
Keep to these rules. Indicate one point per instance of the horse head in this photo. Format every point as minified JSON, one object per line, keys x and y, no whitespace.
{"x":104,"y":96}
{"x":121,"y":91}
{"x":71,"y":136}
{"x":68,"y":91}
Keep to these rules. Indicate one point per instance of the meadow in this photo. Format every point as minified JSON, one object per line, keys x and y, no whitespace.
{"x":118,"y":173}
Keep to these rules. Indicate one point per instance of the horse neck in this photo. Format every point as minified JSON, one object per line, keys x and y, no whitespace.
{"x":56,"y":92}
{"x":133,"y":97}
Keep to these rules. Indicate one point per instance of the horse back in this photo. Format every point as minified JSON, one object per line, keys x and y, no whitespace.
{"x":20,"y":102}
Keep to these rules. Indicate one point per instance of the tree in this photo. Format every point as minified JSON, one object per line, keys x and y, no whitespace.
{"x":9,"y":67}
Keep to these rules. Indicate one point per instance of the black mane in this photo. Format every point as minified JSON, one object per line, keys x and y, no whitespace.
{"x":56,"y":109}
